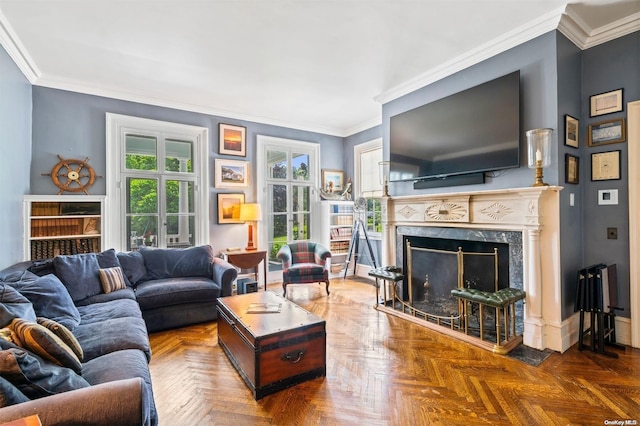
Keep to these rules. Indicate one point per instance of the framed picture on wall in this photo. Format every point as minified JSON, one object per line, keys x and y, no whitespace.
{"x":606,"y":103}
{"x":231,"y":174}
{"x":571,"y":127}
{"x":332,"y":180}
{"x":606,"y":132}
{"x":605,"y":165}
{"x":229,"y":208}
{"x":571,"y":169}
{"x":233,"y":140}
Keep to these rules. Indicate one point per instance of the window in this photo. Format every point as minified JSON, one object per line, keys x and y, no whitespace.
{"x":155,"y":198}
{"x":367,"y":167}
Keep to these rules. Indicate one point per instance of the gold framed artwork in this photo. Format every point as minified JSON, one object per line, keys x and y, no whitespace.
{"x":571,"y":169}
{"x":571,"y":127}
{"x":332,"y":180}
{"x":605,"y":103}
{"x":231,"y":173}
{"x":606,"y":132}
{"x":229,"y":208}
{"x":605,"y":165}
{"x":233,"y":140}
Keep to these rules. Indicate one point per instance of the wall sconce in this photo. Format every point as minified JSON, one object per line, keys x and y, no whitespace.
{"x":250,"y":212}
{"x":539,"y":144}
{"x":384,"y":177}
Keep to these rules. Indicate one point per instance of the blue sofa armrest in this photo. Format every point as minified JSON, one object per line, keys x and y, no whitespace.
{"x":224,"y":274}
{"x":121,"y":402}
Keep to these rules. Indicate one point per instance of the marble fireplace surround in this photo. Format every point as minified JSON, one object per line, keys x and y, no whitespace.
{"x":533,"y":211}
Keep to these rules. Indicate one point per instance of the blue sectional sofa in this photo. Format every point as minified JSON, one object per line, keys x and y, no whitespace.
{"x":74,"y":345}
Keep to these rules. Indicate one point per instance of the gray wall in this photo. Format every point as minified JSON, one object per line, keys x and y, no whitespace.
{"x":15,"y":150}
{"x":607,"y":67}
{"x":73,"y":125}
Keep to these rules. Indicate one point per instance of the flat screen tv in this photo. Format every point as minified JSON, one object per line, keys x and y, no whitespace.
{"x":470,"y":132}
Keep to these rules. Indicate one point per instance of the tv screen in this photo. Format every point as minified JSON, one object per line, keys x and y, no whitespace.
{"x":476,"y":130}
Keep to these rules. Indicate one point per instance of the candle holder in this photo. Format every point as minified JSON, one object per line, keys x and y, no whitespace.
{"x":539,"y":149}
{"x":384,"y":177}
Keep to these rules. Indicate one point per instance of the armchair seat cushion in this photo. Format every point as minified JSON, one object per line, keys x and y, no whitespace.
{"x":306,"y":272}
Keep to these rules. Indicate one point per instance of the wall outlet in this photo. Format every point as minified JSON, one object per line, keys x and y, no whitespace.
{"x":612,"y":233}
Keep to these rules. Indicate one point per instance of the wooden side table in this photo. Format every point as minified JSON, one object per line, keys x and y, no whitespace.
{"x":248,"y":260}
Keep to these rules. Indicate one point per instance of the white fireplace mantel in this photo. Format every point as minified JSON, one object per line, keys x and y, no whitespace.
{"x":534,"y":211}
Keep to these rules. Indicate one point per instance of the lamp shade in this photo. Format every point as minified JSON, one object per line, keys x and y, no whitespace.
{"x":250,"y":212}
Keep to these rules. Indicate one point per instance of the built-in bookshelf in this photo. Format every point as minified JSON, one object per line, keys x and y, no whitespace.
{"x":335,"y":225}
{"x":61,"y":224}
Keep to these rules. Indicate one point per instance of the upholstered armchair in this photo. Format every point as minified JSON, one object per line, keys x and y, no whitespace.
{"x":304,"y":262}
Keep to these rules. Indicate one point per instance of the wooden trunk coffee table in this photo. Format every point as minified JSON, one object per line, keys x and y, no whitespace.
{"x":273,"y":350}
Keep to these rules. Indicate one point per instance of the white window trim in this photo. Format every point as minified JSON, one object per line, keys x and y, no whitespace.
{"x":116,"y":125}
{"x":358,"y":150}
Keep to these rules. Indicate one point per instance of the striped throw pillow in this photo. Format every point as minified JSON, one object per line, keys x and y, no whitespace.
{"x":43,"y":342}
{"x":112,"y":279}
{"x":64,"y":334}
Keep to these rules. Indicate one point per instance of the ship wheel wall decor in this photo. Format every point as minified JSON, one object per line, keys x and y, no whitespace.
{"x":72,"y":175}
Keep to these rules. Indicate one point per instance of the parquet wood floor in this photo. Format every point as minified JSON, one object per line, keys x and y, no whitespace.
{"x":382,"y":370}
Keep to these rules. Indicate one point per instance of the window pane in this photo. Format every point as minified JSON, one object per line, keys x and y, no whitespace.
{"x":178,"y":156}
{"x":278,"y":235}
{"x":301,"y":226}
{"x":142,"y":195}
{"x":279,"y":197}
{"x":142,"y":231}
{"x":180,"y":230}
{"x":300,"y":163}
{"x":179,"y":196}
{"x":370,"y":173}
{"x":300,"y":201}
{"x":140,"y":152}
{"x":277,"y":164}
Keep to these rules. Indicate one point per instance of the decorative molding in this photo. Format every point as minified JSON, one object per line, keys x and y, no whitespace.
{"x":446,"y":211}
{"x":497,"y":211}
{"x":16,"y":50}
{"x":582,"y":35}
{"x":407,"y":212}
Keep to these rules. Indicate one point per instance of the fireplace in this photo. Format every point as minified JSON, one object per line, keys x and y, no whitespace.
{"x":522,"y":223}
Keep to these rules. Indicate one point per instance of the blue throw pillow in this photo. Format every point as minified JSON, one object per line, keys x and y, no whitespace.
{"x":132,"y":264}
{"x":14,"y":305}
{"x":35,"y":377}
{"x":173,"y":263}
{"x":50,"y":299}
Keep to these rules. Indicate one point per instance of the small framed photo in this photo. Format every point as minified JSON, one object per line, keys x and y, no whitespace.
{"x":229,"y":208}
{"x":332,"y":180}
{"x":571,"y":169}
{"x":605,"y":103}
{"x":571,"y":127}
{"x":606,"y":132}
{"x":605,"y":165}
{"x":231,"y":174}
{"x":233,"y":140}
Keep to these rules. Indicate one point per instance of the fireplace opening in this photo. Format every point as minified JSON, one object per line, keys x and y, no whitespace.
{"x":433,"y":266}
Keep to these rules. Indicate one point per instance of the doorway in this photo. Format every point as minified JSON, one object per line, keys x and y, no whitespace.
{"x":288,"y":175}
{"x":634,"y":218}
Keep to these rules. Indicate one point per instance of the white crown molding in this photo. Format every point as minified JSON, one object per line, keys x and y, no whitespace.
{"x":11,"y":43}
{"x":364,"y":126}
{"x":485,"y":51}
{"x":585,"y":37}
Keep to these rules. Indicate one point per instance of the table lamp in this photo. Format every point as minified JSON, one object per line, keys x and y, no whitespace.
{"x":250,"y":212}
{"x":539,"y":144}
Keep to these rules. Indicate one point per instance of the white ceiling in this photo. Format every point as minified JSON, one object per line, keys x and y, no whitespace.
{"x":319,"y":65}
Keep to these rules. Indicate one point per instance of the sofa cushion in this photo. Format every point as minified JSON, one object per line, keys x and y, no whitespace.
{"x":46,"y":344}
{"x":112,"y":279}
{"x":9,"y":394}
{"x":176,"y":291}
{"x":100,"y":312}
{"x":174,"y":263}
{"x":14,"y":305}
{"x":132,"y":264}
{"x":50,"y":299}
{"x":16,"y":272}
{"x":113,"y":335}
{"x":64,"y":334}
{"x":79,"y":272}
{"x":123,"y":294}
{"x":35,"y":377}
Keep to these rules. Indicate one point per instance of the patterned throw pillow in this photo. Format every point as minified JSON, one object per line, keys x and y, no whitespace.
{"x":64,"y":334}
{"x":44,"y":343}
{"x":112,"y":279}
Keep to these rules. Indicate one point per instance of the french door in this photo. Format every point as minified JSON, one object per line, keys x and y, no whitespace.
{"x":287,"y":180}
